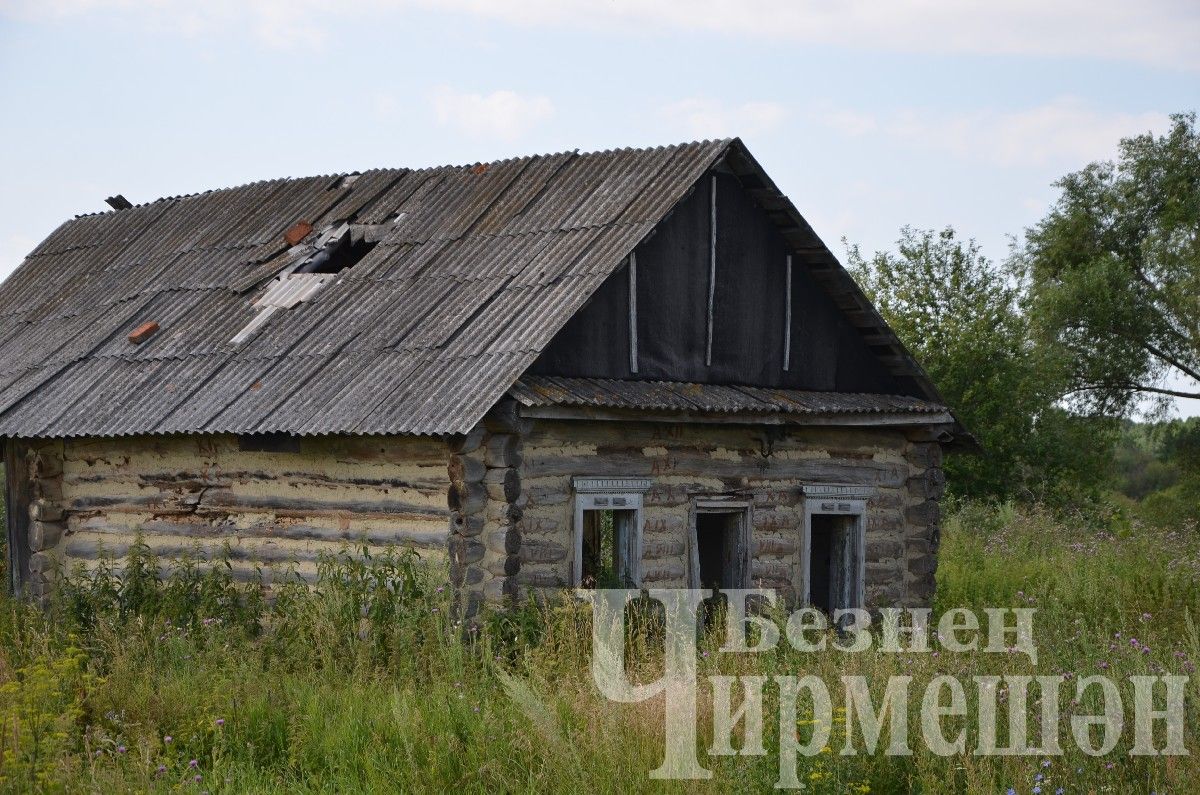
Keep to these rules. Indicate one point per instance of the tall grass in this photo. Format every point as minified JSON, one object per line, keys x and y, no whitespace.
{"x":137,"y":682}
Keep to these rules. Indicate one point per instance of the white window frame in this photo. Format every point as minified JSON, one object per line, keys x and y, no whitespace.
{"x":740,"y":508}
{"x":609,"y":494}
{"x":837,"y":500}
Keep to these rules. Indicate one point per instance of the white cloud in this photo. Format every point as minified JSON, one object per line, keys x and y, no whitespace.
{"x":1158,"y":32}
{"x":1063,"y":131}
{"x":501,"y":114}
{"x":708,"y":118}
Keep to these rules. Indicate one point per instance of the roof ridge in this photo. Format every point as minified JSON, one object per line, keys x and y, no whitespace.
{"x":417,"y":170}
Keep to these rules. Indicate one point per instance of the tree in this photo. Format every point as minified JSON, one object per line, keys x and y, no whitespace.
{"x":1115,"y":273}
{"x":961,"y":317}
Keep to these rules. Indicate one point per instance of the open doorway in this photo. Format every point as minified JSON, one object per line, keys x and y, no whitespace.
{"x":833,"y":562}
{"x":720,"y":545}
{"x":609,"y":551}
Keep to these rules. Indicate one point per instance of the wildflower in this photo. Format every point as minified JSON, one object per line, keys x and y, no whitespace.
{"x":220,"y":722}
{"x":195,"y":763}
{"x":1059,"y":791}
{"x":168,"y":739}
{"x":120,"y":749}
{"x":1103,"y":665}
{"x":1011,"y":791}
{"x":1046,"y":763}
{"x":1037,"y":791}
{"x":440,"y":588}
{"x":1109,"y":766}
{"x":1146,"y":616}
{"x":197,"y":778}
{"x":1038,"y":777}
{"x":162,"y":769}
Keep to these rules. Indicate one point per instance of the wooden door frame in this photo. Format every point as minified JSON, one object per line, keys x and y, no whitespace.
{"x":17,"y":495}
{"x":741,"y":508}
{"x":831,"y":499}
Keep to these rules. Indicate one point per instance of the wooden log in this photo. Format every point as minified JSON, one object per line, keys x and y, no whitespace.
{"x":505,"y":417}
{"x":45,"y":511}
{"x":541,"y":579}
{"x":461,"y":443}
{"x":467,"y":498}
{"x":540,"y":551}
{"x":45,"y":535}
{"x":930,"y":484}
{"x":925,"y":513}
{"x":884,"y":549}
{"x":465,"y":524}
{"x":503,"y":485}
{"x":503,"y":450}
{"x":503,"y":540}
{"x":775,"y":546}
{"x":465,"y":551}
{"x":466,"y":468}
{"x":654,"y":549}
{"x":663,"y":571}
{"x":925,"y":454}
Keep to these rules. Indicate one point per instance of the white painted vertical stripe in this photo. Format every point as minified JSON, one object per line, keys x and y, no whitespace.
{"x":633,"y":338}
{"x":712,"y":266}
{"x":787,"y":317}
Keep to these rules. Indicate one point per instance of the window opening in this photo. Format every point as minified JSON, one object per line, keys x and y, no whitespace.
{"x":608,"y":553}
{"x":608,"y":532}
{"x":833,"y":565}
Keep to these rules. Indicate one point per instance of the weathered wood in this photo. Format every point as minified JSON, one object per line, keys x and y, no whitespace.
{"x":464,"y":551}
{"x":466,"y":442}
{"x":505,"y":417}
{"x":465,"y":524}
{"x":45,"y":535}
{"x":44,"y":511}
{"x":503,"y":484}
{"x":467,"y":498}
{"x":503,"y":450}
{"x":542,"y":551}
{"x":466,"y":468}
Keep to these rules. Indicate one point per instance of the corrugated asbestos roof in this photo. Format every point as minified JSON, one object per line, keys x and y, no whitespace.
{"x":422,"y":336}
{"x":673,"y":396}
{"x":483,"y":266}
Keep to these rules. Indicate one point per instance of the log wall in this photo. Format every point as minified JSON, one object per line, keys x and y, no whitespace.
{"x":188,"y":494}
{"x":687,"y":461}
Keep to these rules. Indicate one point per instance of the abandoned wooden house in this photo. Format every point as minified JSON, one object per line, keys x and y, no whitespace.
{"x":635,"y":367}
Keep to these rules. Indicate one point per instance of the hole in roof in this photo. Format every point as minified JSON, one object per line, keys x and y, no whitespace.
{"x":339,"y":248}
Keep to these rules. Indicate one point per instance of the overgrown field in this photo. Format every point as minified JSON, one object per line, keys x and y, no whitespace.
{"x":194,"y":683}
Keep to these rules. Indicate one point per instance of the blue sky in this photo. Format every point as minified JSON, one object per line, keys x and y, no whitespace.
{"x":869,"y":115}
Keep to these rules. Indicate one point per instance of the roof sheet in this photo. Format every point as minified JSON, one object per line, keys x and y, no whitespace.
{"x":482,"y":267}
{"x":542,"y":391}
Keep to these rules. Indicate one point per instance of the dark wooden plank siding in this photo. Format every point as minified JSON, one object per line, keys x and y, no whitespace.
{"x":827,"y":353}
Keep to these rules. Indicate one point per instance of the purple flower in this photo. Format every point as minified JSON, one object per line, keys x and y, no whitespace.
{"x":1038,"y":777}
{"x":220,"y":721}
{"x":168,"y":739}
{"x":1109,"y":766}
{"x":1103,"y":665}
{"x":1037,"y":791}
{"x":194,"y":764}
{"x":162,"y":769}
{"x":120,"y":749}
{"x":197,"y":778}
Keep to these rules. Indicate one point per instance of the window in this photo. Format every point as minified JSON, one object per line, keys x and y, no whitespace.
{"x":833,"y":563}
{"x":720,"y":544}
{"x":608,"y":532}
